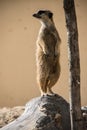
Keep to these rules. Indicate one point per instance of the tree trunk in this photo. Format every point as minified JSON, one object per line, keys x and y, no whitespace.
{"x":74,"y":65}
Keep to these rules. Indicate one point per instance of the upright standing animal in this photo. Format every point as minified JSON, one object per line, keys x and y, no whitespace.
{"x":47,"y":53}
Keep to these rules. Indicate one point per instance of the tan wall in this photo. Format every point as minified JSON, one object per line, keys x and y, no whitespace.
{"x":18,"y":34}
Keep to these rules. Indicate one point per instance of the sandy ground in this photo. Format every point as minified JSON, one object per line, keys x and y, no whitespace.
{"x":7,"y":115}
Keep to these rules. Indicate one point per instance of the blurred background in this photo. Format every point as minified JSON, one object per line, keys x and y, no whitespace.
{"x":18,"y":34}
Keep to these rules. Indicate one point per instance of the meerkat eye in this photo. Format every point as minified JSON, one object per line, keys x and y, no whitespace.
{"x":41,"y":12}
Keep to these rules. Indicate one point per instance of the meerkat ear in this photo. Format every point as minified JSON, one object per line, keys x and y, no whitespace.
{"x":50,"y":15}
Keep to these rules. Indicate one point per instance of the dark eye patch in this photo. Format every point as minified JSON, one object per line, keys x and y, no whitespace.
{"x":46,"y":12}
{"x":41,"y":12}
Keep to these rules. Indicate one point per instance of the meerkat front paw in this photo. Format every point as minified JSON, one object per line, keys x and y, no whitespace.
{"x":46,"y":53}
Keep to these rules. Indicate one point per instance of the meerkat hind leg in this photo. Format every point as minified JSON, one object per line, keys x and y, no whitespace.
{"x":43,"y":88}
{"x":49,"y":90}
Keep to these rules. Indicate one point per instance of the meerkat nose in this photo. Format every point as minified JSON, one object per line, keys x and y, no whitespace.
{"x":34,"y":15}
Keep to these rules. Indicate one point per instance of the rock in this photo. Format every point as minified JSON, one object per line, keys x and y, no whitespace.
{"x":43,"y":113}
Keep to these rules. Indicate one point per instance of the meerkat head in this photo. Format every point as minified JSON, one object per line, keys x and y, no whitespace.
{"x":43,"y":15}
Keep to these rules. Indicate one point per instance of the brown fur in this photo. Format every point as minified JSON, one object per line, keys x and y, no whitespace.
{"x":47,"y":55}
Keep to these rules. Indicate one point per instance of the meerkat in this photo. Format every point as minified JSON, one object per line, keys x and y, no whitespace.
{"x":47,"y":52}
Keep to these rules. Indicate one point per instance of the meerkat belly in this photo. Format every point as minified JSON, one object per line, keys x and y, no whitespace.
{"x":47,"y":57}
{"x":47,"y":66}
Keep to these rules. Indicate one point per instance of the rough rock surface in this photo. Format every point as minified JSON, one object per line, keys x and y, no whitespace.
{"x":43,"y":113}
